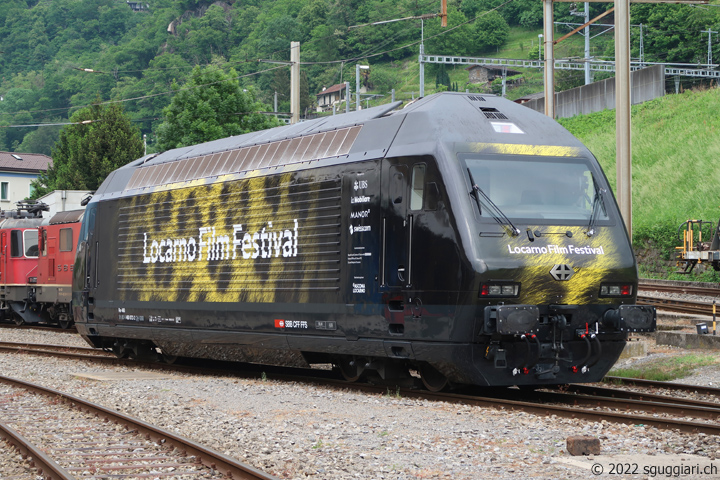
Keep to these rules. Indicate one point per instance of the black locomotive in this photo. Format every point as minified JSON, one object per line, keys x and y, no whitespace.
{"x":464,"y":237}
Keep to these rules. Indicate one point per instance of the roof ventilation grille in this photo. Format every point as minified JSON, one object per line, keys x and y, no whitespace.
{"x":493,"y":113}
{"x":476,"y":98}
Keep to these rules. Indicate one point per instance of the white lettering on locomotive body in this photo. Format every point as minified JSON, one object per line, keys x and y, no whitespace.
{"x":360,"y":214}
{"x":211,"y":245}
{"x":557,"y":249}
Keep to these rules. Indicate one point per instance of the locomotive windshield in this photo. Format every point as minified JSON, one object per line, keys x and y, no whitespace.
{"x":532,"y":188}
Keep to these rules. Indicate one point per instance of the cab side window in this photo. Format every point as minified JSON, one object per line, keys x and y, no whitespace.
{"x":16,"y":249}
{"x":66,"y":239}
{"x":43,"y":242}
{"x":417,"y":191}
{"x":31,"y":243}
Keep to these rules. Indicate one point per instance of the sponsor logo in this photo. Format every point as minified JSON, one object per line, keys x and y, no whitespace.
{"x":359,"y":229}
{"x":360,"y":199}
{"x":360,"y":214}
{"x":360,"y":184}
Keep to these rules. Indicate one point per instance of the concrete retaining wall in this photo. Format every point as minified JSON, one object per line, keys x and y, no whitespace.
{"x":647,"y":84}
{"x":634,"y":348}
{"x":688,"y":340}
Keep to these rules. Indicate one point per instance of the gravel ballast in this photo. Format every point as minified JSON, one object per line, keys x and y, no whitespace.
{"x":295,"y":430}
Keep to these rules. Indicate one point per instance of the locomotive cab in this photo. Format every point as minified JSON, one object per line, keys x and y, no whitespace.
{"x":18,"y":267}
{"x":558,"y":297}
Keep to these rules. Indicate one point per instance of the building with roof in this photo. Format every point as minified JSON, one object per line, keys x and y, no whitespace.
{"x":59,"y":201}
{"x":331,"y":96}
{"x":485,"y":74}
{"x":17,"y":170}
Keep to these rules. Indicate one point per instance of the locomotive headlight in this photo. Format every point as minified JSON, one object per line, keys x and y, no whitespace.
{"x":499,"y":289}
{"x":617,"y":290}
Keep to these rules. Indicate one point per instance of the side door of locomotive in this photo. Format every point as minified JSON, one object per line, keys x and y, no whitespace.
{"x":396,"y":268}
{"x":402,"y":190}
{"x":403,"y":194}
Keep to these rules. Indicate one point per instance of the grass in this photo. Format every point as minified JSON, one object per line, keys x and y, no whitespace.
{"x":675,"y":147}
{"x":666,"y":369}
{"x":395,"y":394}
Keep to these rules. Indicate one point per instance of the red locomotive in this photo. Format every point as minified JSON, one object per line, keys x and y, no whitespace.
{"x":36,"y":265}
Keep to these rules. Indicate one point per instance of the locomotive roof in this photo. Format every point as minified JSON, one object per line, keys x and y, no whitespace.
{"x":421,"y":127}
{"x":21,"y":222}
{"x":70,"y":216}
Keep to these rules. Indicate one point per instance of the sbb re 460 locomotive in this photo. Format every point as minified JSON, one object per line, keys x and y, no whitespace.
{"x":463,"y":237}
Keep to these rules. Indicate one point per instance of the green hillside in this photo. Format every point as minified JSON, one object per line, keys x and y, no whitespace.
{"x":675,"y":168}
{"x":60,"y":55}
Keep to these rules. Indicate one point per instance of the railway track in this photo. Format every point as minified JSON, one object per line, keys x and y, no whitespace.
{"x":680,"y":306}
{"x":68,"y":438}
{"x":578,"y":401}
{"x":689,"y":288}
{"x":37,"y":327}
{"x":694,"y":307}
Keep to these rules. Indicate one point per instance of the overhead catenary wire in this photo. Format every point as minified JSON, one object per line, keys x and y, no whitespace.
{"x":84,"y":122}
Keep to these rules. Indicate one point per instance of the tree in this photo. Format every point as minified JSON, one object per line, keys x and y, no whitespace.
{"x":491,"y":31}
{"x":212,"y":105}
{"x":87,"y":152}
{"x":40,"y":140}
{"x":455,"y":42}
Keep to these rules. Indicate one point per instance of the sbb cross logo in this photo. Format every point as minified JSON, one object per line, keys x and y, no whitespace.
{"x":279,"y":323}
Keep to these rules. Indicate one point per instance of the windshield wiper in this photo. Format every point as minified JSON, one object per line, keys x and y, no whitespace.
{"x":505,"y":222}
{"x":597,"y":201}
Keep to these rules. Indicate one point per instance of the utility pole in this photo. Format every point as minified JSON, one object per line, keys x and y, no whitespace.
{"x":586,"y":34}
{"x":549,"y":76}
{"x":709,"y":56}
{"x":642,"y":47}
{"x":294,"y":82}
{"x":358,"y":67}
{"x":422,"y":54}
{"x":347,"y":97}
{"x":623,"y":153}
{"x":588,"y":77}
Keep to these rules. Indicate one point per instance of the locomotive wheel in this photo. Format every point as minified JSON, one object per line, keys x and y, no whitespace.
{"x":432,"y":379}
{"x":18,"y":320}
{"x":350,"y":368}
{"x":65,"y":323}
{"x":167,"y":358}
{"x":119,"y":350}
